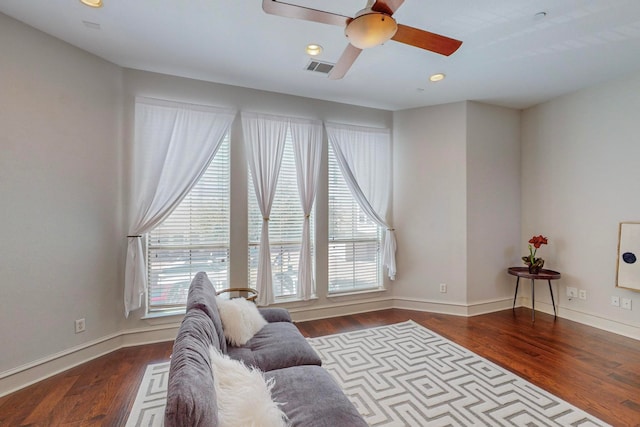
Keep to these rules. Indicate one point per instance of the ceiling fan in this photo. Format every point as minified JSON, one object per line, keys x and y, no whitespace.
{"x":370,"y":27}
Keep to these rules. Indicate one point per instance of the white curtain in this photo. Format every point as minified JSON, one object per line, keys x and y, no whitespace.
{"x":307,"y":147}
{"x":173,"y":145}
{"x":264,"y":138}
{"x":364,"y":158}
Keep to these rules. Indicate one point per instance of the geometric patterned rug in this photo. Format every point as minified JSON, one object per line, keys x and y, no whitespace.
{"x":148,"y":408}
{"x":407,"y":375}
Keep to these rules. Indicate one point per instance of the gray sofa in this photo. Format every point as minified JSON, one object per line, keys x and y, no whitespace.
{"x":309,"y":394}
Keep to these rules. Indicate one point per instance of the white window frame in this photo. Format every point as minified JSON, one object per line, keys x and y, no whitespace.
{"x":211,"y":256}
{"x":357,"y":246}
{"x":284,"y":274}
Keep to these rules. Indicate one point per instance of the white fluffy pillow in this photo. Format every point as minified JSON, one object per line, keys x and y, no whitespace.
{"x":243,"y":395}
{"x":241,"y":320}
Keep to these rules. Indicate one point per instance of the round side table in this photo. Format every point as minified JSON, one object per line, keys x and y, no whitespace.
{"x":249,"y":294}
{"x":547,"y":275}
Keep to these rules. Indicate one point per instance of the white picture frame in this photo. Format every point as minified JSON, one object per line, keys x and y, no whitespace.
{"x":628,"y":271}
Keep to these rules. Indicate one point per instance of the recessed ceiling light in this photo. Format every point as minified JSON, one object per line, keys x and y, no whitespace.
{"x":92,"y":3}
{"x":313,"y":49}
{"x":437,"y":77}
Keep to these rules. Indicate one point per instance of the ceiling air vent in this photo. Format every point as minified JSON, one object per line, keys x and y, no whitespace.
{"x":319,"y":67}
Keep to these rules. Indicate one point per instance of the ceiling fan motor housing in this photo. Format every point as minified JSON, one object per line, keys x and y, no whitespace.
{"x":370,"y":28}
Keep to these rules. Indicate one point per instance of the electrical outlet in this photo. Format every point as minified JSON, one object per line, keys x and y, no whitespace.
{"x":80,"y":325}
{"x":582,"y":294}
{"x":443,"y":288}
{"x":626,"y":303}
{"x":572,"y":292}
{"x":615,"y":301}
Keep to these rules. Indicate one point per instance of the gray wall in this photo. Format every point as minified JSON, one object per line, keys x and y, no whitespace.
{"x":580,"y":174}
{"x":429,"y":205}
{"x":60,"y":168}
{"x":456,"y":205}
{"x":493,"y":201}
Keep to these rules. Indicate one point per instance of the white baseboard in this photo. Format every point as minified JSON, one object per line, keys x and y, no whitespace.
{"x":608,"y":325}
{"x":624,"y":329}
{"x":142,"y":336}
{"x":629,"y":331}
{"x":455,"y":309}
{"x":38,"y":370}
{"x":336,"y":309}
{"x":25,"y":375}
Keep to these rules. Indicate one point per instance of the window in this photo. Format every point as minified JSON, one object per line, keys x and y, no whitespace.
{"x":354,"y":240}
{"x":195,"y":237}
{"x":285,"y":228}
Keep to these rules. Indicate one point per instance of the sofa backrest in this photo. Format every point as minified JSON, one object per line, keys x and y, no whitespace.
{"x":191,"y":395}
{"x":202,"y":295}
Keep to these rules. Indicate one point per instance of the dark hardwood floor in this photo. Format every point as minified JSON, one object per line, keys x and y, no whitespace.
{"x":594,"y":370}
{"x":97,"y":393}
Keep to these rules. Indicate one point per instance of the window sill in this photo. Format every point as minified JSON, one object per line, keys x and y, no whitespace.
{"x":164,"y":317}
{"x":292,"y":300}
{"x":173,"y":316}
{"x":356,"y":293}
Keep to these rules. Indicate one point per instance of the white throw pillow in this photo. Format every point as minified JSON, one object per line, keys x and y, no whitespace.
{"x":243,"y":395}
{"x":241,"y":320}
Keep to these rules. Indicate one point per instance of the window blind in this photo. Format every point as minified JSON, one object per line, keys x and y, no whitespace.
{"x":285,"y":228}
{"x":195,"y":237}
{"x":354,"y":240}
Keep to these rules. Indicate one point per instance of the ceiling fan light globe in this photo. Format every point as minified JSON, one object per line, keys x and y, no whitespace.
{"x":92,"y":3}
{"x":370,"y":29}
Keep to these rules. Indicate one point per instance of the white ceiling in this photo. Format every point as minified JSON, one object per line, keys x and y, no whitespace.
{"x":508,"y":57}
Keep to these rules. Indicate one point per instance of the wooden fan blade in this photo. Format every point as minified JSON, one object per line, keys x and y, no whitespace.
{"x":426,"y":40}
{"x":345,"y":62}
{"x":387,"y":6}
{"x":274,"y":7}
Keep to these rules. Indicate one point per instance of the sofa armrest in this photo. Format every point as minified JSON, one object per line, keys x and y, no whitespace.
{"x":275,"y":314}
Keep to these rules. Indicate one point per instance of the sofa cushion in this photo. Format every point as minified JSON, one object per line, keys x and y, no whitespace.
{"x":312,"y":398}
{"x":244,"y":395}
{"x":241,"y":320}
{"x":191,"y":392}
{"x":275,"y":314}
{"x":277,"y":345}
{"x":202,"y":295}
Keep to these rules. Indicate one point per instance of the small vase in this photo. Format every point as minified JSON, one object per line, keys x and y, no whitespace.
{"x":536,"y":266}
{"x":534,"y":269}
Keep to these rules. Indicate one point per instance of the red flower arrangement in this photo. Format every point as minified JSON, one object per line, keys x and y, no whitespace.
{"x":535,"y":264}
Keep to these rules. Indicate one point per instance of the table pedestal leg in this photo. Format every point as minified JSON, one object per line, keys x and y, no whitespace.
{"x":533,"y":301}
{"x":552,"y":301}
{"x":516,"y":294}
